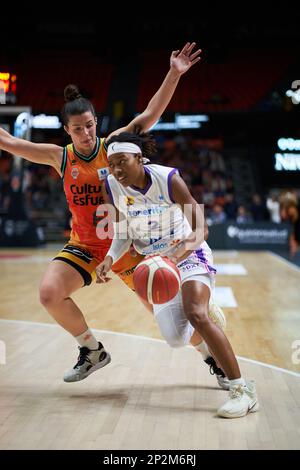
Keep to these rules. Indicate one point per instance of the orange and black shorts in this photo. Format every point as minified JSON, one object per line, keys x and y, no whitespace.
{"x":85,"y":260}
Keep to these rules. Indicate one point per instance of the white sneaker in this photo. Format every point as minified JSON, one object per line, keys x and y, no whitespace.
{"x":217,"y":315}
{"x":242,"y":400}
{"x":89,"y":360}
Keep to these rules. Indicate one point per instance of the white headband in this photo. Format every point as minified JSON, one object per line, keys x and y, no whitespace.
{"x":122,"y":147}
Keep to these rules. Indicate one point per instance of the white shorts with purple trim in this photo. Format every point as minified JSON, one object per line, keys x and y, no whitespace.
{"x":198,"y":266}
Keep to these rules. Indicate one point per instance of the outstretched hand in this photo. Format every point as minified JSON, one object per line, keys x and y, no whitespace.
{"x":182,"y":60}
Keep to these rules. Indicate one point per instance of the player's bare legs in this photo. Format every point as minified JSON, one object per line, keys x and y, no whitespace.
{"x":195,"y":296}
{"x":59,"y":282}
{"x":217,"y":316}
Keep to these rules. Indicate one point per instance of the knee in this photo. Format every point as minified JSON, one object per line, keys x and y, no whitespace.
{"x":49,"y":295}
{"x":173,"y":324}
{"x":197,"y":314}
{"x":178,"y":337}
{"x":175,"y":341}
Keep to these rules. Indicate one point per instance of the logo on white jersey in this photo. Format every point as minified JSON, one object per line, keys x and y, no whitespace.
{"x":129,"y":200}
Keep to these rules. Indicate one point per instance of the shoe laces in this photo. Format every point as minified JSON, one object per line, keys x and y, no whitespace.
{"x":213,"y":368}
{"x":83,"y":356}
{"x":236,"y":391}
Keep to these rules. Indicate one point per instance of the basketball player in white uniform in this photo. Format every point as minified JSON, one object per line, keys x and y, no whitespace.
{"x":151,"y":203}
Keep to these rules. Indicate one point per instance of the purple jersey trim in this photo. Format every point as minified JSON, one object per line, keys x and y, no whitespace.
{"x":109,"y":191}
{"x":149,"y":184}
{"x":170,"y":189}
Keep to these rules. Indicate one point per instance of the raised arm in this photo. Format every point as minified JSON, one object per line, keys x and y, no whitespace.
{"x":180,"y":62}
{"x":46,"y":154}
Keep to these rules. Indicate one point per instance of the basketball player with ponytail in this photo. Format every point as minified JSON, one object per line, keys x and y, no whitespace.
{"x":83,"y":166}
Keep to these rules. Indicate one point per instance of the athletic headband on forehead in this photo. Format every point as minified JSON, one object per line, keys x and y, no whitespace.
{"x":122,"y":147}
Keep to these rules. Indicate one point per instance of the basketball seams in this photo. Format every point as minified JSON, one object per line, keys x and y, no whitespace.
{"x":141,"y":288}
{"x":152,"y":271}
{"x":150,"y":284}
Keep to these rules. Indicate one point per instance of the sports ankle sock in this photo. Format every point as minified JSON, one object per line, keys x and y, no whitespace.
{"x":87,"y":339}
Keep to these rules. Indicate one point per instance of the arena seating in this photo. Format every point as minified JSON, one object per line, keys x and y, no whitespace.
{"x":42,"y":78}
{"x":237,"y":83}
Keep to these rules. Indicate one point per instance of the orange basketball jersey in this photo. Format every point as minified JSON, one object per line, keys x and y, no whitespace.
{"x":83,"y":178}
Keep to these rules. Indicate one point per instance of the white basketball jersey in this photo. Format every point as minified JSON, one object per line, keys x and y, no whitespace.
{"x":155,"y":223}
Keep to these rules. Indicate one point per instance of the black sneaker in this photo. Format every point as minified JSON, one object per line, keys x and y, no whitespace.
{"x":89,"y":360}
{"x":223,"y":381}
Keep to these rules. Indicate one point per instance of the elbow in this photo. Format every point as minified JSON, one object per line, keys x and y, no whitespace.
{"x":147,"y":119}
{"x":206,"y":232}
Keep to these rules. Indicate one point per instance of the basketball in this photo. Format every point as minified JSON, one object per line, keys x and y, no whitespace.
{"x":156,"y":279}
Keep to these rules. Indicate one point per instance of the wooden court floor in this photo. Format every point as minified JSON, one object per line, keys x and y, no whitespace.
{"x":150,"y":396}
